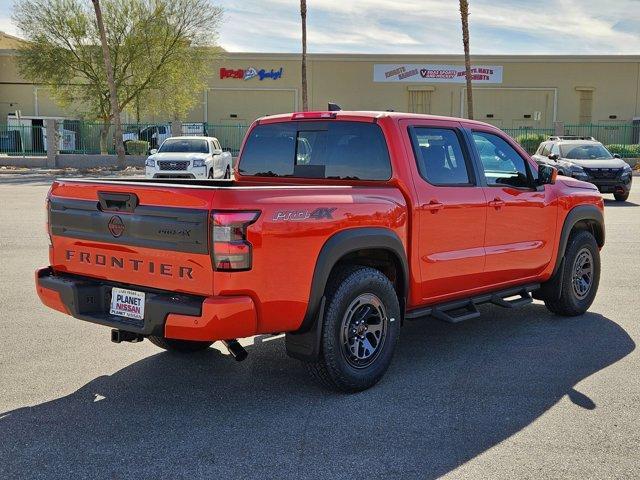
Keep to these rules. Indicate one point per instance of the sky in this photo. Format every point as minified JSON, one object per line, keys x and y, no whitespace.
{"x":425,"y":26}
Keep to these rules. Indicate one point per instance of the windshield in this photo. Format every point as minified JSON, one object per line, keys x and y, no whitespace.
{"x":184,"y":145}
{"x":585,"y":152}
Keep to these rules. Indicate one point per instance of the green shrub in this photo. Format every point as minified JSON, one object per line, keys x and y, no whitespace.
{"x":531,"y":141}
{"x":625,"y":151}
{"x":137,"y":147}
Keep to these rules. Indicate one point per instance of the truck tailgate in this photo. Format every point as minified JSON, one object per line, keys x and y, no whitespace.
{"x":156,"y":236}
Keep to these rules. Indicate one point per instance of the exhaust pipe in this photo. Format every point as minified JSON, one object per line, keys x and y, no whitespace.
{"x":235,"y":349}
{"x":119,"y":336}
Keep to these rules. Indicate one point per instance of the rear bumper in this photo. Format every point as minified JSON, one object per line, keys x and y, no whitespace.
{"x":173,"y":315}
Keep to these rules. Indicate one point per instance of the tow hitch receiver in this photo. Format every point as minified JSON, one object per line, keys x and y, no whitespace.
{"x":119,"y":336}
{"x":235,"y":349}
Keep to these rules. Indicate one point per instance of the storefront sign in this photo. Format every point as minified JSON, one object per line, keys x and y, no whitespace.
{"x":428,"y":73}
{"x":250,"y":72}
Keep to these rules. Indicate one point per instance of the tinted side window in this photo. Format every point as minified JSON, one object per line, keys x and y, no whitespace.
{"x":269,"y":150}
{"x":555,"y":149}
{"x":501,"y":163}
{"x":324,"y":149}
{"x":439,"y":156}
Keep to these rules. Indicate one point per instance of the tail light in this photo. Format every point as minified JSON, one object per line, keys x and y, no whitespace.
{"x":232,"y":251}
{"x":48,"y":225}
{"x":307,"y":115}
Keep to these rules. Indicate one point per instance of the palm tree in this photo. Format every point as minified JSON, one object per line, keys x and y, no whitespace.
{"x":303,"y":14}
{"x":113,"y":94}
{"x":464,"y":13}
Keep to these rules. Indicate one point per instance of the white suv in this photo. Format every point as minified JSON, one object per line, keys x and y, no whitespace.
{"x":189,"y":157}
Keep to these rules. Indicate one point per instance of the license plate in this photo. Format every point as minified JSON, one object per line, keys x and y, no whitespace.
{"x":127,"y":303}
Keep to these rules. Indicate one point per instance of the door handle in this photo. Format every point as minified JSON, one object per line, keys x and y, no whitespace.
{"x":434,"y":206}
{"x":117,"y":202}
{"x":496,"y":203}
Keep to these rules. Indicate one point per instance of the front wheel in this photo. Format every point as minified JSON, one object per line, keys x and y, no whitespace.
{"x":210,"y":173}
{"x":227,"y":173}
{"x":180,"y":346}
{"x":580,"y":277}
{"x":360,"y":330}
{"x":621,"y":197}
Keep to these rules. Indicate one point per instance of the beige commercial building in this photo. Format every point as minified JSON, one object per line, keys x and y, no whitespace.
{"x":510,"y":91}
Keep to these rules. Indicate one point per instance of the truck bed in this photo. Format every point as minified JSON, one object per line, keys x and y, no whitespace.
{"x":163,"y":240}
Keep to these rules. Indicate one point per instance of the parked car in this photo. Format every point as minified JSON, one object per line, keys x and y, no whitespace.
{"x":189,"y":157}
{"x":385,"y":217}
{"x":586,"y":159}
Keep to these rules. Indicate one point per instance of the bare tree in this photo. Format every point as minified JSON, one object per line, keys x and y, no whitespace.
{"x":303,"y":14}
{"x":464,"y":14}
{"x":113,"y":93}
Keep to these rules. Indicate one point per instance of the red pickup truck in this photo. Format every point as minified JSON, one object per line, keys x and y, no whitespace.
{"x":337,"y":228}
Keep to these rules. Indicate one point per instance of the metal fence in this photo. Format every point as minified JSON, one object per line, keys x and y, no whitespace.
{"x":93,"y":138}
{"x":83,"y":137}
{"x":529,"y":138}
{"x":229,"y":136}
{"x":23,"y":140}
{"x":622,"y":136}
{"x":606,"y":133}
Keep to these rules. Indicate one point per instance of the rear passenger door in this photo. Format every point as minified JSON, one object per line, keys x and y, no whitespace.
{"x":521,"y":219}
{"x":451,"y":210}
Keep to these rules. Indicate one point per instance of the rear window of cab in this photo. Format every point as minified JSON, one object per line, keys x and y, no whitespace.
{"x":339,"y":150}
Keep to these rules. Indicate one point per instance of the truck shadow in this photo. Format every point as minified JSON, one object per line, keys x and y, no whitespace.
{"x":453,"y":392}
{"x":613,"y":203}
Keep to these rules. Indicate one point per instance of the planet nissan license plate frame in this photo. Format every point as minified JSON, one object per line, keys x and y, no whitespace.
{"x":127,"y":303}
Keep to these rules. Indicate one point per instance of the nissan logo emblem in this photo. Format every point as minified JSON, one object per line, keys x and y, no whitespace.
{"x":116,"y":226}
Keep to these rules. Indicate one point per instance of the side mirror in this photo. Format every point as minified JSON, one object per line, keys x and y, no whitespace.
{"x":616,"y":155}
{"x":153,"y":151}
{"x":553,"y":156}
{"x":547,"y":175}
{"x":217,"y":151}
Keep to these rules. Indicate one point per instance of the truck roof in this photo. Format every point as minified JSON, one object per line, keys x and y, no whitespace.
{"x":369,"y":115}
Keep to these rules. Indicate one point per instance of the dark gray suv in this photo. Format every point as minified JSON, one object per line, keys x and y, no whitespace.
{"x":586,"y":159}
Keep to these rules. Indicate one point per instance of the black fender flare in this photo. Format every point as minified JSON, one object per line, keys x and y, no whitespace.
{"x":305,"y":342}
{"x":552,"y":288}
{"x":575,"y":215}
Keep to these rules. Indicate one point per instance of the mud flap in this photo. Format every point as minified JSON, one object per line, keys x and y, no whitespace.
{"x":305,"y":346}
{"x":552,"y":288}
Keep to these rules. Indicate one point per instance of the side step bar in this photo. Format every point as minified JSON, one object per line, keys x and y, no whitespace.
{"x":466,"y":309}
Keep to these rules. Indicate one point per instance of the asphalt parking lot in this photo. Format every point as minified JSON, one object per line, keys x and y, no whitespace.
{"x":513,"y":394}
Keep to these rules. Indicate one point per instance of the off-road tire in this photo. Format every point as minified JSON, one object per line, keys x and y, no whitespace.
{"x":346,"y":286}
{"x":227,"y":173}
{"x":569,"y":303}
{"x":210,"y":175}
{"x":621,"y":197}
{"x":181,"y":346}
